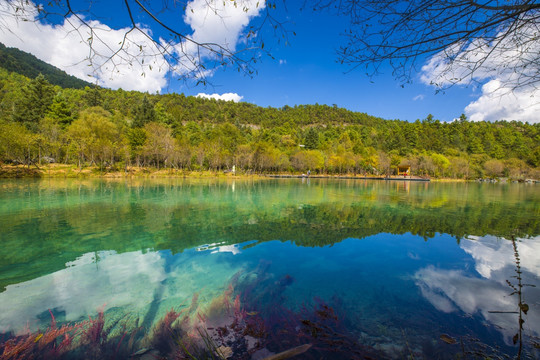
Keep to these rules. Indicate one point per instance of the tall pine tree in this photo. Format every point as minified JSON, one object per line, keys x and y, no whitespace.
{"x":144,"y":113}
{"x":36,"y":100}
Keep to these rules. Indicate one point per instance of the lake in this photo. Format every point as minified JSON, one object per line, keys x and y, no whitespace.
{"x":244,"y":269}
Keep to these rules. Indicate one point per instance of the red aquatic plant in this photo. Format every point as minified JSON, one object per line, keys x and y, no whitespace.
{"x":280,"y":328}
{"x":94,"y":334}
{"x":22,"y":347}
{"x":53,"y":342}
{"x":165,"y":325}
{"x":250,"y":315}
{"x":227,"y":295}
{"x":223,"y":329}
{"x":255,"y":327}
{"x":164,"y":336}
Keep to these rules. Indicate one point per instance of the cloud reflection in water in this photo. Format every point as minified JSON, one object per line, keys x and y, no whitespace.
{"x":454,"y":290}
{"x":132,"y":281}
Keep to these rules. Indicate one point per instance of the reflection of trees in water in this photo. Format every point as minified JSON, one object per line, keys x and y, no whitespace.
{"x":463,"y":293}
{"x":65,"y":219}
{"x":389,"y":328}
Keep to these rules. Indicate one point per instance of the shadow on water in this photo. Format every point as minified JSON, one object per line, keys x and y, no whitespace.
{"x":151,"y":315}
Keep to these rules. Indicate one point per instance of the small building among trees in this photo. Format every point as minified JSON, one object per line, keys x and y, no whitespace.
{"x":404,"y":170}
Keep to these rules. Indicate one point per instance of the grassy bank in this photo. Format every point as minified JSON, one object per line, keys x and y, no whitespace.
{"x":73,"y":172}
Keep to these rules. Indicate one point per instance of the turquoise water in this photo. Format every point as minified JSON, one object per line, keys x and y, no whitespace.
{"x":399,"y":263}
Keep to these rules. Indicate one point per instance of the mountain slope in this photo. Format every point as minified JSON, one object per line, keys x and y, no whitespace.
{"x":26,"y":64}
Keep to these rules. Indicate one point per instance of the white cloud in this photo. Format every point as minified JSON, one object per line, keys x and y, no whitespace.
{"x":220,"y":25}
{"x":440,"y":71}
{"x":220,"y":22}
{"x":128,"y":283}
{"x":454,"y":290}
{"x":282,"y":62}
{"x":83,"y":287}
{"x":418,"y":97}
{"x":226,"y":97}
{"x":492,"y":254}
{"x":509,"y":65}
{"x":67,"y":49}
{"x":500,"y":103}
{"x":140,"y":64}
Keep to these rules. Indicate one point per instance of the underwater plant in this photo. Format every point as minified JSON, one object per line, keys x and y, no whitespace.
{"x":51,"y":343}
{"x":253,"y":318}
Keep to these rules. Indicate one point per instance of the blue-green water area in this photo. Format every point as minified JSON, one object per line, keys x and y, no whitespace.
{"x":246,"y":269}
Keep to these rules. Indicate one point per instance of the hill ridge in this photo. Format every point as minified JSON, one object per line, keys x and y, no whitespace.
{"x":24,"y":63}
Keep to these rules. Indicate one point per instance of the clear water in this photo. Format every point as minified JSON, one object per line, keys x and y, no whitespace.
{"x":399,"y":263}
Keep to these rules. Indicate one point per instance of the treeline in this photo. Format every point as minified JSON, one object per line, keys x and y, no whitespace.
{"x":21,"y":62}
{"x":114,"y":129}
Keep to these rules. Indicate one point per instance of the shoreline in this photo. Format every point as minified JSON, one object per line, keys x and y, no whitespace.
{"x":61,"y":171}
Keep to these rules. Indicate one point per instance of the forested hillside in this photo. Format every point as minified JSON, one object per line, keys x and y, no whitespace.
{"x":26,"y":64}
{"x":115,"y":129}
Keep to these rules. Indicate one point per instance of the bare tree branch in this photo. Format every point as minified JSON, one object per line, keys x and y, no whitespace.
{"x":448,"y":42}
{"x":468,"y":40}
{"x":184,"y":55}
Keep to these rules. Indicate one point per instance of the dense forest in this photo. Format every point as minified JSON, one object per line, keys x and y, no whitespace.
{"x":13,"y":59}
{"x":117,"y":129}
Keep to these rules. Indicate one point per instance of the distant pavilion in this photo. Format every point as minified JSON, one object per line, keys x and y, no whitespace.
{"x":404,"y":170}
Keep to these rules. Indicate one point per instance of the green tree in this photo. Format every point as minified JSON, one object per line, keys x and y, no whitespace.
{"x":515,"y":169}
{"x":475,"y":145}
{"x":458,"y":168}
{"x":534,"y":157}
{"x":193,"y":132}
{"x":144,"y":113}
{"x":494,"y":168}
{"x":244,"y":157}
{"x":160,"y":145}
{"x":341,"y":162}
{"x":60,"y":111}
{"x":308,"y":160}
{"x":53,"y":138}
{"x":311,"y":140}
{"x":94,"y":137}
{"x":17,"y":143}
{"x":92,"y":96}
{"x":162,"y":115}
{"x":136,"y":139}
{"x":425,"y":165}
{"x":266,"y":157}
{"x":441,"y":163}
{"x":36,"y":99}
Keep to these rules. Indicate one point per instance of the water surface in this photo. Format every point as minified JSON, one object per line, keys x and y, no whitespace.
{"x":399,"y":263}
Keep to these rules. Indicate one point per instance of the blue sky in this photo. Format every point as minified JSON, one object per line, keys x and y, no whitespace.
{"x":307,"y":72}
{"x":304,"y":72}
